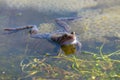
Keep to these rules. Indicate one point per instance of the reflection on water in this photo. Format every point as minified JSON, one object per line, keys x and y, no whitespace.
{"x":99,"y":24}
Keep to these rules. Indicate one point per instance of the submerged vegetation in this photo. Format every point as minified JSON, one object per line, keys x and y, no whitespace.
{"x":87,"y":66}
{"x":100,"y":22}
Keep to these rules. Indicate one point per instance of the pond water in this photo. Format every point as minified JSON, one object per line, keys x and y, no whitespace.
{"x":100,"y":23}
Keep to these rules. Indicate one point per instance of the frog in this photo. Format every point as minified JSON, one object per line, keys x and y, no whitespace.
{"x":66,"y":40}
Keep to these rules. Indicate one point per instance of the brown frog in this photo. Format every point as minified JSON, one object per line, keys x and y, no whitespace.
{"x":67,"y":40}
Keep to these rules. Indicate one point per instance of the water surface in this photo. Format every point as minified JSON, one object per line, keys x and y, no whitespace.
{"x":99,"y":24}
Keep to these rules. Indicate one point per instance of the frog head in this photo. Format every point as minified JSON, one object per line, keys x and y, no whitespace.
{"x":68,"y":38}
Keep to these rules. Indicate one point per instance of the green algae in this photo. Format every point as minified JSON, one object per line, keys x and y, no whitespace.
{"x":98,"y":66}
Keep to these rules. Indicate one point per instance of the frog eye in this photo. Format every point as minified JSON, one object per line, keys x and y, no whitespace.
{"x":72,"y":32}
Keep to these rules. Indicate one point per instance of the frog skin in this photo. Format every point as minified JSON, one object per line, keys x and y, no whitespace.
{"x":62,"y":38}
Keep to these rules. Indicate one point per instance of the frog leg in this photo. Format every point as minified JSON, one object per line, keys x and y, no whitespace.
{"x":34,"y":33}
{"x":13,"y":30}
{"x":19,"y":28}
{"x":62,"y":22}
{"x":78,"y":46}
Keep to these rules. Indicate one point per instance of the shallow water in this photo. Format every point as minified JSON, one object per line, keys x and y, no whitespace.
{"x":99,"y":24}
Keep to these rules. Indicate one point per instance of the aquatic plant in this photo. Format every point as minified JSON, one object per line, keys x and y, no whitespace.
{"x":88,"y":66}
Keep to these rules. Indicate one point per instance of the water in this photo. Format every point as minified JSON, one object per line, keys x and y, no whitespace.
{"x":99,"y":24}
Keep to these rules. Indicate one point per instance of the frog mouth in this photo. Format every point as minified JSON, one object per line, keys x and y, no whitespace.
{"x":71,"y":41}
